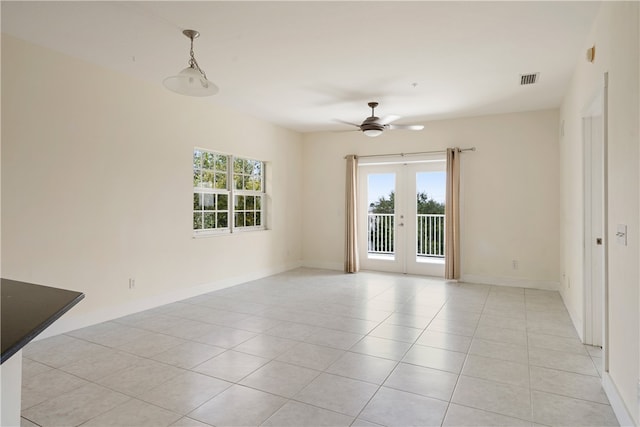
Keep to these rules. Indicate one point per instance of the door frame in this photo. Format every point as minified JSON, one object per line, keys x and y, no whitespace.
{"x":404,"y":169}
{"x":596,"y":110}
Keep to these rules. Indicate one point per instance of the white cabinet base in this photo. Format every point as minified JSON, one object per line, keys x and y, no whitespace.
{"x":11,"y":390}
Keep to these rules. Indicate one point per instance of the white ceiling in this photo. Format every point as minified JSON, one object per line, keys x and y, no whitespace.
{"x":303,"y":64}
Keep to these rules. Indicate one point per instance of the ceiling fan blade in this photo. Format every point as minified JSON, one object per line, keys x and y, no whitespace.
{"x":344,"y":130}
{"x":388,"y":119}
{"x":346,"y":123}
{"x":406,"y":127}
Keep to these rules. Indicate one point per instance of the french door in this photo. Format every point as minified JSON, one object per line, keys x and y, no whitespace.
{"x":401,"y":217}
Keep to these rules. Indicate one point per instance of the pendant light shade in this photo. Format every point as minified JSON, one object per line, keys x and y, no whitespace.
{"x":192,"y":81}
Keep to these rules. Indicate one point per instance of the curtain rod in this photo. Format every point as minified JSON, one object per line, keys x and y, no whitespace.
{"x":418,"y":153}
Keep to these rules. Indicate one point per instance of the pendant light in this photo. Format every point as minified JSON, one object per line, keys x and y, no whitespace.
{"x":191,"y":81}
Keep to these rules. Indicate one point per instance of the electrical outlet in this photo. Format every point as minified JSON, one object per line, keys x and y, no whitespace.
{"x":132,"y":283}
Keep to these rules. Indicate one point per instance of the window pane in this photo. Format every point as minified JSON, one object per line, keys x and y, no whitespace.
{"x":197,"y":201}
{"x":239,"y":203}
{"x":259,"y":203}
{"x":237,"y":166}
{"x":196,"y":178}
{"x":257,"y":183}
{"x":207,"y":179}
{"x":248,"y":166}
{"x":223,"y":202}
{"x":207,"y":160}
{"x":248,"y":183}
{"x":209,"y":201}
{"x":257,"y":168}
{"x":430,"y":191}
{"x":239,"y":219}
{"x":249,"y":219}
{"x":221,"y":181}
{"x":197,"y":159}
{"x":237,"y":179}
{"x":221,"y":163}
{"x":223,"y":220}
{"x":381,"y":189}
{"x":249,"y":203}
{"x":258,"y":218}
{"x":197,"y":221}
{"x":209,"y":220}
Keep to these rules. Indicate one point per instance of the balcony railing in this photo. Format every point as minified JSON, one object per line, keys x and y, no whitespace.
{"x":429,"y":234}
{"x":380,"y":232}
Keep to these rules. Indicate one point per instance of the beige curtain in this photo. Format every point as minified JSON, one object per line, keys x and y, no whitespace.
{"x":351,"y":262}
{"x":452,"y":216}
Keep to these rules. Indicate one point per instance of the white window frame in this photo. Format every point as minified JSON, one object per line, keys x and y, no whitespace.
{"x":231,"y":192}
{"x":248,"y":193}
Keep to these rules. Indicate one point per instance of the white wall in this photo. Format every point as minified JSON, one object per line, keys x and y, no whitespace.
{"x":615,"y":35}
{"x":97,"y":186}
{"x":510,"y":193}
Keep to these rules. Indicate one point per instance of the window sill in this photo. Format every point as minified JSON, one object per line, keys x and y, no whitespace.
{"x":206,"y":234}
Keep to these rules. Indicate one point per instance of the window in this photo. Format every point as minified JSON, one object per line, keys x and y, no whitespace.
{"x":248,"y":195}
{"x":228,"y":193}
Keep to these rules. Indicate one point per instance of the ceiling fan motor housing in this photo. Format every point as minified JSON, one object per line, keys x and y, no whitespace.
{"x":371,"y":123}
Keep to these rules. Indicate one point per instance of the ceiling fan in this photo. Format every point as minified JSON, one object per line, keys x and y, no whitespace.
{"x":374,"y":126}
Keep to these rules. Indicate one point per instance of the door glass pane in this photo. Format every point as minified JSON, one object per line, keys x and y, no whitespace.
{"x":430,"y":194}
{"x":381,"y":214}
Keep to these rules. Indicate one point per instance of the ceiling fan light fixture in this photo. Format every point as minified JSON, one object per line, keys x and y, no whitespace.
{"x":372,"y":132}
{"x":192,"y":81}
{"x":373,"y":126}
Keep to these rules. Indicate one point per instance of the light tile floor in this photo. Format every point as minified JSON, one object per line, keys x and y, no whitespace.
{"x":320,"y":348}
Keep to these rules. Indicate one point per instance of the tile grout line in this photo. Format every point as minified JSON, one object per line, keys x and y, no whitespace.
{"x":526,"y":325}
{"x":319,"y":372}
{"x":398,"y":362}
{"x":465,"y":359}
{"x":288,"y":399}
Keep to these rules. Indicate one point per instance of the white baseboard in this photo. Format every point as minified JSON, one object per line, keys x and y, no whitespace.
{"x":69,"y":322}
{"x":576,"y":319}
{"x":323,"y":265}
{"x":510,"y":281}
{"x":617,"y":404}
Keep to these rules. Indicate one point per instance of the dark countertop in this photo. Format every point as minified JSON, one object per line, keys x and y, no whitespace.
{"x":29,"y":309}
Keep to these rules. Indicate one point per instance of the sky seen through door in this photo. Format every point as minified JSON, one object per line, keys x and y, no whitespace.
{"x":382,"y":184}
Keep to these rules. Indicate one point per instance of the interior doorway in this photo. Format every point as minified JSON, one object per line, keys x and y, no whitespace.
{"x":595,"y":220}
{"x":402,"y":227}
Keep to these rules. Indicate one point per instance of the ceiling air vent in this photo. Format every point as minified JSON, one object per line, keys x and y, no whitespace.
{"x":528,"y":79}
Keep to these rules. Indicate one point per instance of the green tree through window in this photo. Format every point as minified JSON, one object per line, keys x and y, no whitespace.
{"x":425,"y":204}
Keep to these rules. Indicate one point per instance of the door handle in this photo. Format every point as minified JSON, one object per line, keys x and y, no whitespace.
{"x":599,"y":241}
{"x":401,"y":224}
